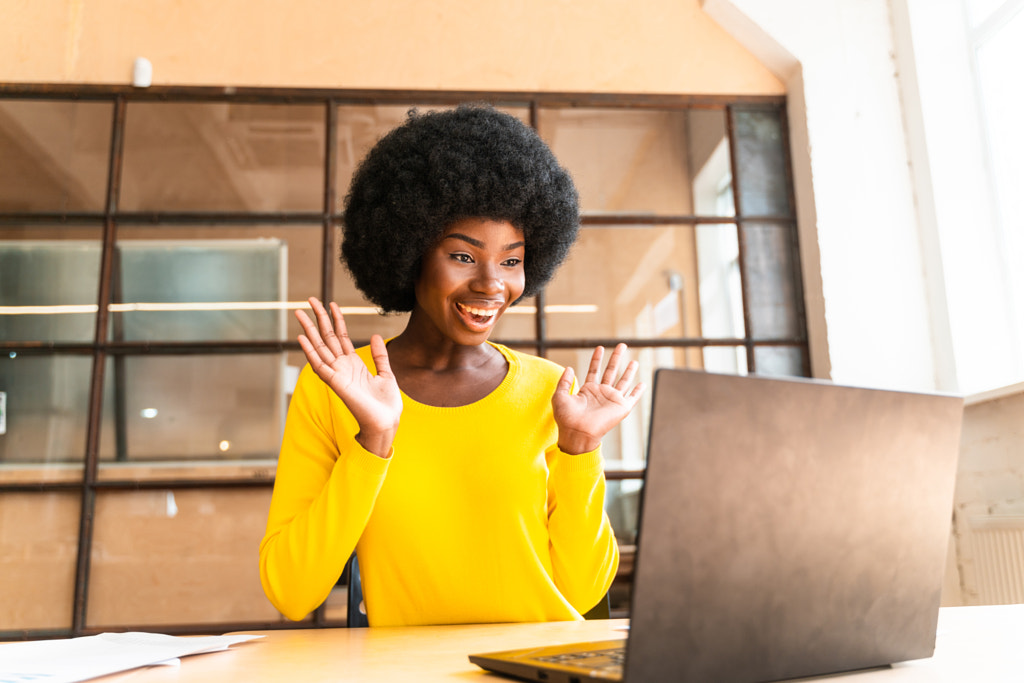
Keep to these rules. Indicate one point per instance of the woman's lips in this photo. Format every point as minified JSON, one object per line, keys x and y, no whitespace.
{"x":476,"y":317}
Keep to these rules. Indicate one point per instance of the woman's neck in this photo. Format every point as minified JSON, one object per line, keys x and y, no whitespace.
{"x":433,"y":369}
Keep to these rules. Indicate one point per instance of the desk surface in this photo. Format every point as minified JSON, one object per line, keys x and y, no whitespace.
{"x":973,"y":644}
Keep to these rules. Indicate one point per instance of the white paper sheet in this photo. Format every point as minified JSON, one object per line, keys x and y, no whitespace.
{"x":78,"y":659}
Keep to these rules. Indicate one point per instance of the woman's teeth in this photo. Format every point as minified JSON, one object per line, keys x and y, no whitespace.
{"x":481,"y":312}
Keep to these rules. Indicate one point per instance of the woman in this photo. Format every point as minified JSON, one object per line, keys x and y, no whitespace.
{"x":467,"y":476}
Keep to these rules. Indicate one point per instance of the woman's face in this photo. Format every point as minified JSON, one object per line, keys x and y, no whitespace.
{"x":470,"y":277}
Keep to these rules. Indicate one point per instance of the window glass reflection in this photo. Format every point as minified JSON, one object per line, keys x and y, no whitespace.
{"x":761,"y":164}
{"x":46,"y":407}
{"x":178,"y":557}
{"x":709,"y":163}
{"x":222,"y":156}
{"x":784,"y":361}
{"x":643,"y":161}
{"x":38,"y":550}
{"x":54,"y":155}
{"x":629,"y":282}
{"x":772,"y":281}
{"x":195,"y":407}
{"x":213,"y":283}
{"x":49,"y":287}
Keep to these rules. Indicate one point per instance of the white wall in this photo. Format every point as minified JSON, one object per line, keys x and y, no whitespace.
{"x":853,"y":183}
{"x":984,"y":320}
{"x":892,"y":191}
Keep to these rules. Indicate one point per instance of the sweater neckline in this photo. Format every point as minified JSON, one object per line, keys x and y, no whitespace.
{"x":498,"y":392}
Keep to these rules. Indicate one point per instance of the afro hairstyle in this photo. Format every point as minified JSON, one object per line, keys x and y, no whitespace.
{"x":439,"y":167}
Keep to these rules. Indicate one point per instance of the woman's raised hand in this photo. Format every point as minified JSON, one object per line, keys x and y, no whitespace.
{"x":585,"y":417}
{"x":374,"y":400}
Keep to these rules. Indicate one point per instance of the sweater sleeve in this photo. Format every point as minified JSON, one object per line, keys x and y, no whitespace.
{"x":584,"y":553}
{"x":324,"y":492}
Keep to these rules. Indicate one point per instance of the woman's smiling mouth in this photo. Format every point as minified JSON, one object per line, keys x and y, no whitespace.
{"x":478,"y":318}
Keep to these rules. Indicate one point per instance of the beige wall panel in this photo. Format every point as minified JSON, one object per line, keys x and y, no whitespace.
{"x":38,"y":549}
{"x":989,"y":505}
{"x":595,"y":45}
{"x":178,"y":557}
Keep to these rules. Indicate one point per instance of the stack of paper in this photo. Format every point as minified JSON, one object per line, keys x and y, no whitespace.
{"x":79,"y":659}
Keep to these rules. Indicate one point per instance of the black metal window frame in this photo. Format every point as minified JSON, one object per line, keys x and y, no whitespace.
{"x":103,"y":349}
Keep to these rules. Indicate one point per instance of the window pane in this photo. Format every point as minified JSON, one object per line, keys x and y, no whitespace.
{"x":178,"y":557}
{"x":709,"y":162}
{"x":1003,"y":99}
{"x":38,"y":551}
{"x":772,"y":281}
{"x":220,"y":407}
{"x":721,"y":290}
{"x":213,"y":283}
{"x":781,"y":360}
{"x":627,"y":282}
{"x":623,"y":160}
{"x":186,"y":156}
{"x":49,"y":285}
{"x":54,"y":155}
{"x":360,"y":126}
{"x":46,"y":407}
{"x":762,"y":171}
{"x":729,"y":360}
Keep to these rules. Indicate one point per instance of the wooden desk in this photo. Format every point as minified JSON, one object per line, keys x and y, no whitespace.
{"x":973,"y":644}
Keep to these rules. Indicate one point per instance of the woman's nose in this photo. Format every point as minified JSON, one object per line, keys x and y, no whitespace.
{"x":487,"y":279}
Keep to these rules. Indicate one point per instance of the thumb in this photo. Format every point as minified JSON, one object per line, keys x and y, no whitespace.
{"x":379,"y":353}
{"x":565,"y":382}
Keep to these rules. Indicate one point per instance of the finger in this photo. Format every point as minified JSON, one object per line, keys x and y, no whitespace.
{"x":308,"y":326}
{"x":379,"y":352}
{"x":341,"y":329}
{"x":627,"y":376}
{"x":612,"y":370}
{"x":322,"y":369}
{"x":564,"y":385}
{"x":638,"y":390}
{"x":313,"y":340}
{"x":323,"y":321}
{"x":595,"y":365}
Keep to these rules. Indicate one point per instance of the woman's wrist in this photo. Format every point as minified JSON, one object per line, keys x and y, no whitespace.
{"x":577,"y":443}
{"x":377,"y":442}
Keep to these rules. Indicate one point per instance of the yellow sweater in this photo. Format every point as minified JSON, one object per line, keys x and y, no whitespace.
{"x":477,"y":517}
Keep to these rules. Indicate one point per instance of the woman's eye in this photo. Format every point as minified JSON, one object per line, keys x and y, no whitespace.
{"x":512,"y":262}
{"x":462,"y":258}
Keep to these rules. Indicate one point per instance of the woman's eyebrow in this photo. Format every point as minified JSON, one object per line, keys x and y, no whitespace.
{"x":480,"y":245}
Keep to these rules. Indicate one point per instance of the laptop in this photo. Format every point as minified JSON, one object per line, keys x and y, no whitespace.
{"x":788,"y":528}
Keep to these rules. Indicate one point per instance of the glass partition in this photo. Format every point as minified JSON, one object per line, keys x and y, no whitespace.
{"x":222,"y":217}
{"x":150,"y":566}
{"x":54,"y":155}
{"x":223,"y":156}
{"x":38,"y":550}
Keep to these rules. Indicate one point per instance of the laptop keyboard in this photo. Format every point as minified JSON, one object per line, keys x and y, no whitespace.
{"x":589,"y":659}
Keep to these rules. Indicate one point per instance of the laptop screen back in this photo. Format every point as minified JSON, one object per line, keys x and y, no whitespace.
{"x":789,"y":528}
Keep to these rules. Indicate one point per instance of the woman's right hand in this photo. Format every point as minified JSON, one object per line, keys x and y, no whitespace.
{"x":374,"y":400}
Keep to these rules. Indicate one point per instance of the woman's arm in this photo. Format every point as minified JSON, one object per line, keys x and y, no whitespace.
{"x":585,"y":555}
{"x":584,"y":552}
{"x":333,"y":459}
{"x":325,"y":489}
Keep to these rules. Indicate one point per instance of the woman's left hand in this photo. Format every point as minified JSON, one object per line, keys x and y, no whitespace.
{"x":585,"y":417}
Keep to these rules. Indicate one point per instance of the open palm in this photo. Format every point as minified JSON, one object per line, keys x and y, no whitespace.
{"x":585,"y":417}
{"x":374,"y":400}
